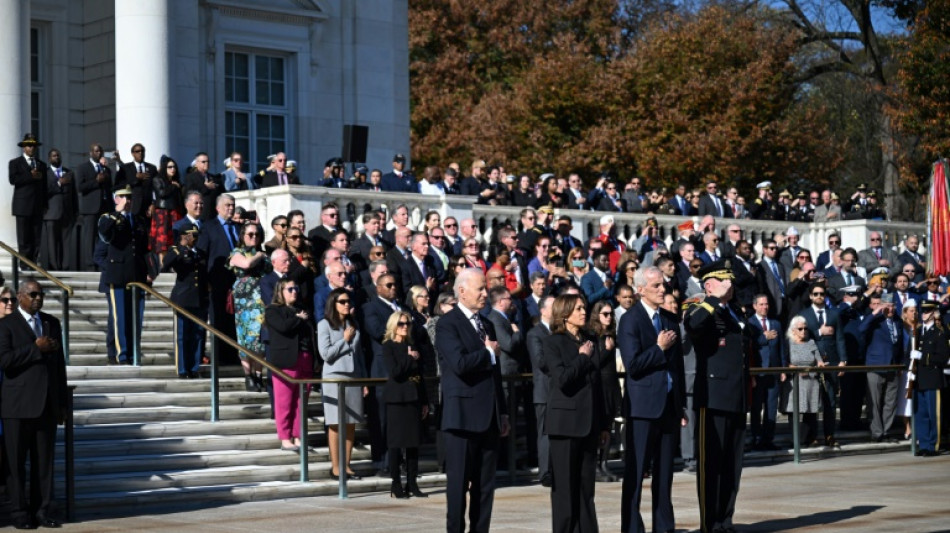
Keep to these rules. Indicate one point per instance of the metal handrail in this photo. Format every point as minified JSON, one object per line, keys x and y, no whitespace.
{"x":67,"y":290}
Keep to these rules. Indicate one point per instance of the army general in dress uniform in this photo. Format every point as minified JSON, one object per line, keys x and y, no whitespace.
{"x":191,"y":292}
{"x":127,"y":238}
{"x":722,"y":378}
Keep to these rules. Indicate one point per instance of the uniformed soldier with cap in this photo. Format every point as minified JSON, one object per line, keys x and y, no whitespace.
{"x":930,"y":358}
{"x":763,"y":204}
{"x":719,"y":397}
{"x":802,"y":210}
{"x":857,"y":205}
{"x":127,"y":238}
{"x":191,"y":292}
{"x":873,"y":210}
{"x":782,"y":209}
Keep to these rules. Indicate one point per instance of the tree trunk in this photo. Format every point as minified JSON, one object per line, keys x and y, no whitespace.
{"x":893,"y":201}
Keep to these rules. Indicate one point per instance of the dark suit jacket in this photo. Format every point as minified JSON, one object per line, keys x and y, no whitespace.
{"x":29,"y":194}
{"x":823,"y":261}
{"x":936,"y":351}
{"x":94,"y":198}
{"x":213,"y":242}
{"x":270,"y":179}
{"x":769,"y":286}
{"x":128,"y":246}
{"x":838,"y":282}
{"x":60,"y":199}
{"x":471,"y":386}
{"x":400,"y":388}
{"x":686,"y":210}
{"x":286,"y":331}
{"x":770,"y":352}
{"x":539,"y":371}
{"x":593,"y":288}
{"x":196,"y":182}
{"x":397,"y":263}
{"x":411,"y":275}
{"x":880,"y":349}
{"x":374,"y":315}
{"x":906,"y":258}
{"x":511,"y":353}
{"x":831,"y":347}
{"x":647,"y":366}
{"x":32,"y":380}
{"x":141,"y":189}
{"x":360,"y":247}
{"x":319,"y":242}
{"x":575,"y":401}
{"x":606,"y":204}
{"x":708,"y":207}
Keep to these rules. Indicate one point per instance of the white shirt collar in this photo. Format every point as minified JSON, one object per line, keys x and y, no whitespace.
{"x":650,"y":311}
{"x":468,"y":312}
{"x":26,"y":316}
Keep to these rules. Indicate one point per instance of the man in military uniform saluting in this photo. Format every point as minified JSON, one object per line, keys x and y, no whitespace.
{"x":719,"y":396}
{"x":762,"y":205}
{"x":190,"y":292}
{"x":127,"y":238}
{"x":931,"y":358}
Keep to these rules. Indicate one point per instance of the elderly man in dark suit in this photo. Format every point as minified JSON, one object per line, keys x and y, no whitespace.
{"x":94,"y":186}
{"x":28,"y":177}
{"x":34,"y":403}
{"x":218,"y":237}
{"x":885,"y":346}
{"x":474,"y":416}
{"x":769,"y":341}
{"x":137,"y":175}
{"x":542,"y":384}
{"x":209,"y":185}
{"x":420,"y":268}
{"x":648,"y":338}
{"x":59,"y":219}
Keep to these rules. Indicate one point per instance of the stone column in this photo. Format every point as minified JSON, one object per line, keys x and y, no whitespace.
{"x":14,"y":100}
{"x":142,"y":87}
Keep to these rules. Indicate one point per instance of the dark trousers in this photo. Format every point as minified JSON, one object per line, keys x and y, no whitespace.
{"x":853,"y":390}
{"x":191,"y":342}
{"x":58,"y":251}
{"x":223,"y":322}
{"x":470,"y":462}
{"x":829,"y":401}
{"x":123,"y":312}
{"x":29,"y":231}
{"x":651,"y":443}
{"x":764,"y":408}
{"x":719,"y":438}
{"x":573,"y":460}
{"x":88,"y":234}
{"x":524,"y":399}
{"x":34,"y":438}
{"x":544,"y":444}
{"x":687,"y":442}
{"x":412,"y":466}
{"x":925,"y":418}
{"x":376,"y":415}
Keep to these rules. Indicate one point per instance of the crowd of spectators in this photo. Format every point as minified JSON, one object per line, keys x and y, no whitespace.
{"x":319,"y":298}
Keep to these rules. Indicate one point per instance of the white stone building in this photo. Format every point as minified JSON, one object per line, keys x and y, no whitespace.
{"x":182,"y":76}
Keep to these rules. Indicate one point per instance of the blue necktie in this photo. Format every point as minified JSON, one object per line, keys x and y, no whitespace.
{"x":778,"y":278}
{"x":658,"y":327}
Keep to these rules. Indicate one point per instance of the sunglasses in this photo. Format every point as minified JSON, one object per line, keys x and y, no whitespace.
{"x":402,"y":324}
{"x":7,"y":300}
{"x":471,"y":246}
{"x":36,"y":295}
{"x":799,"y":329}
{"x":451,"y":225}
{"x":284,"y":225}
{"x":817,"y":294}
{"x":291,"y":289}
{"x":332,"y":215}
{"x":293,"y":237}
{"x":343,"y":302}
{"x":251,"y":234}
{"x":607,"y":313}
{"x":389,"y":285}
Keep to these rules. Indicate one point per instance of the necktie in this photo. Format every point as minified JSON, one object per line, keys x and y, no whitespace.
{"x":422,"y":268}
{"x":714,"y":257}
{"x":405,"y":254}
{"x":282,"y":178}
{"x":656,"y":322}
{"x":98,"y":168}
{"x":479,"y":327}
{"x":232,"y":234}
{"x":778,"y":278}
{"x":718,"y":206}
{"x":821,"y":318}
{"x":59,"y":173}
{"x":32,"y":163}
{"x":395,"y":306}
{"x":141,"y":167}
{"x":37,"y":327}
{"x":128,"y":216}
{"x":903,"y":298}
{"x":848,"y":277}
{"x":877,"y":252}
{"x":765,"y":325}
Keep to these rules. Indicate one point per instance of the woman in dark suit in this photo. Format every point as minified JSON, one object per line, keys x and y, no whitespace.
{"x":406,"y":403}
{"x":577,"y":422}
{"x":291,"y":349}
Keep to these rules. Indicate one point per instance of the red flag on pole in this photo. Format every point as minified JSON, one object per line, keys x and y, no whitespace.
{"x":938,"y":222}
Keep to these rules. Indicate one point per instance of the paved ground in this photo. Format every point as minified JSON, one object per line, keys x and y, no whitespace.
{"x":890,"y":493}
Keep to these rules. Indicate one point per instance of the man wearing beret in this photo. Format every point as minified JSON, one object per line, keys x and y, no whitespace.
{"x":28,"y":177}
{"x":719,"y":398}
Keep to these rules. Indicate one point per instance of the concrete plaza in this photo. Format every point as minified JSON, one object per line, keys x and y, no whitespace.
{"x":891,"y":492}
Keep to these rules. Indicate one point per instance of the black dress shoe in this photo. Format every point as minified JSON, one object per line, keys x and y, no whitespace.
{"x":334,"y":477}
{"x":45,"y":521}
{"x":546,"y":479}
{"x":194,"y":375}
{"x":24,"y":523}
{"x":354,"y":476}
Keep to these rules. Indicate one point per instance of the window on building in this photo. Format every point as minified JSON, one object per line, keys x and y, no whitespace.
{"x":37,"y":64}
{"x":257,"y":114}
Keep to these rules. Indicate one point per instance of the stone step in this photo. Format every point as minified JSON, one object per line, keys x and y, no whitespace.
{"x":171,"y":386}
{"x":170,"y":413}
{"x":76,"y":374}
{"x":160,"y":400}
{"x":180,"y":428}
{"x":104,"y":450}
{"x":112,"y":501}
{"x":149,"y":357}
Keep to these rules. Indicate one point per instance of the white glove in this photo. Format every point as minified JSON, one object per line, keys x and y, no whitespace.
{"x":916,"y":355}
{"x":911,"y":377}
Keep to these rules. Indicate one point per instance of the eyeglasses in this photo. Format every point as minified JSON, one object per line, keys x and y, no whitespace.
{"x":473,"y":245}
{"x":817,"y":294}
{"x":928,"y":283}
{"x":606,"y":313}
{"x":202,"y":162}
{"x":332,"y":215}
{"x":735,"y":230}
{"x":338,"y":274}
{"x":799,"y":329}
{"x":439,"y":237}
{"x":875,"y":239}
{"x":631,"y":269}
{"x":834,"y":242}
{"x":291,"y":289}
{"x":544,"y":246}
{"x":389,"y":285}
{"x":7,"y":300}
{"x":251,"y":234}
{"x":36,"y":294}
{"x":343,"y":302}
{"x":402,"y":324}
{"x":451,"y":225}
{"x":138,"y":151}
{"x":171,"y":166}
{"x":293,"y":237}
{"x":530,"y":218}
{"x":284,"y":225}
{"x":770,"y":248}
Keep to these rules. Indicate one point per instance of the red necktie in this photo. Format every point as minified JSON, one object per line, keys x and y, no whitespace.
{"x":765,"y":325}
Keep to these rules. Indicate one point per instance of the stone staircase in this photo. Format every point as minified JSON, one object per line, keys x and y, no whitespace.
{"x":144,"y":437}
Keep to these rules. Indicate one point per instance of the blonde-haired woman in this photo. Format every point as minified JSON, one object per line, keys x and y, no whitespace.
{"x":406,"y":403}
{"x":802,"y":351}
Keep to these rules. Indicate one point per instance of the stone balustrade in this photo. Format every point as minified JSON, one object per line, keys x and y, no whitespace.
{"x":274,"y":201}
